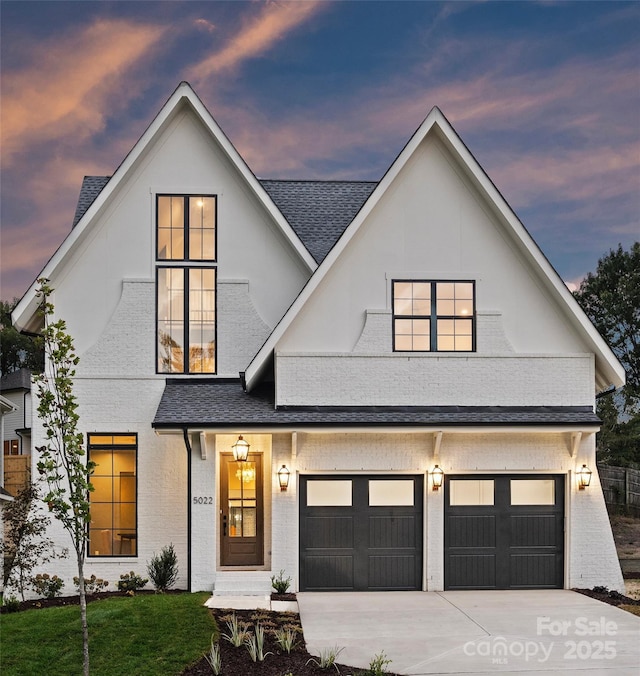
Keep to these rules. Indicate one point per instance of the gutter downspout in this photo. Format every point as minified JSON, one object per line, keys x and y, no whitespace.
{"x":187,"y":444}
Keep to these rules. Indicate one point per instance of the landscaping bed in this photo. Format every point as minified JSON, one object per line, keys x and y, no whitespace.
{"x":237,"y":662}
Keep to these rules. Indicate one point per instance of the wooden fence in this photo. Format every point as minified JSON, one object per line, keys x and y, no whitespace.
{"x":621,"y":488}
{"x":17,"y":472}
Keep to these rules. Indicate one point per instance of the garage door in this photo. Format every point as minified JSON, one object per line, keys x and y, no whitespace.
{"x":504,"y":532}
{"x":361,"y":533}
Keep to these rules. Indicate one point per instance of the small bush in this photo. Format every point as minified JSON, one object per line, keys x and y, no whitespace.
{"x":163,"y":569}
{"x":378,"y":665}
{"x":214,"y":658}
{"x":11,"y":603}
{"x":92,"y":585}
{"x":286,"y":639}
{"x":279,"y":583}
{"x":327,"y":658}
{"x":255,"y":644}
{"x":130,"y":582}
{"x":238,"y":631}
{"x":47,"y":586}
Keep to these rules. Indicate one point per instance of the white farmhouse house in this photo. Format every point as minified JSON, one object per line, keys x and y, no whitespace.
{"x":399,"y":353}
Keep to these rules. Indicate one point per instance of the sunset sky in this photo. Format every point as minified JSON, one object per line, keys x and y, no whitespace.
{"x":546,"y":95}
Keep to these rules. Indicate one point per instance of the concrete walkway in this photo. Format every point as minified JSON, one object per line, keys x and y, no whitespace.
{"x":475,"y":632}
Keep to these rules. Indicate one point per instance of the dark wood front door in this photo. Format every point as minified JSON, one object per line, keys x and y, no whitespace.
{"x":241,"y":529}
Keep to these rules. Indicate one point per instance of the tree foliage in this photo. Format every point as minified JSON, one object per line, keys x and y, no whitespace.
{"x":62,"y":464}
{"x":16,"y":350}
{"x":25,"y":544}
{"x":611,"y":299}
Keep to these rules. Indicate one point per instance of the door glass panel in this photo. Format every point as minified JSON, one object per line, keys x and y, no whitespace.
{"x":329,"y":494}
{"x":241,"y":477}
{"x":471,"y":492}
{"x":533,"y":492}
{"x":396,"y":493}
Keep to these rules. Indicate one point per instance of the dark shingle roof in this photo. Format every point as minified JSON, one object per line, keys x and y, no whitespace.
{"x":91,"y":188}
{"x":223,"y":403}
{"x":18,"y":380}
{"x":318,"y":211}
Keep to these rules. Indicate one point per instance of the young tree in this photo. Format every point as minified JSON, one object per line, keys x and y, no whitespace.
{"x":25,"y":544}
{"x":62,"y":464}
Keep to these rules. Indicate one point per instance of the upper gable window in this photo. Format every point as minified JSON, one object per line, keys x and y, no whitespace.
{"x":186,"y":227}
{"x":433,"y":316}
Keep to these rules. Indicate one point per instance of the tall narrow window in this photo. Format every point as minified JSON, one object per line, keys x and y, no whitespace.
{"x":431,"y":316}
{"x":113,"y":528}
{"x":186,"y":295}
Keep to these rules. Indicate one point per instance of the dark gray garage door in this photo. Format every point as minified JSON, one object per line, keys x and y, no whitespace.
{"x":504,"y":532}
{"x":361,"y":533}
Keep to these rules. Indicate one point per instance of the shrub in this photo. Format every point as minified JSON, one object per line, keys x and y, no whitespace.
{"x":92,"y":585}
{"x":47,"y":586}
{"x":279,"y":583}
{"x":286,"y":638}
{"x":327,"y":658}
{"x":238,"y":631}
{"x":163,"y":569}
{"x":130,"y":583}
{"x":255,"y":644}
{"x":11,"y":603}
{"x":378,"y":665}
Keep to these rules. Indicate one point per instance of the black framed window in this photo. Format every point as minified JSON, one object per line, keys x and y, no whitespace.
{"x":433,"y":316}
{"x":186,"y":294}
{"x":186,"y":227}
{"x":113,"y":529}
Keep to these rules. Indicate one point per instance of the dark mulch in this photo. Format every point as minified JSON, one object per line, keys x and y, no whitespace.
{"x":605,"y":595}
{"x":237,"y":662}
{"x":75,"y":600}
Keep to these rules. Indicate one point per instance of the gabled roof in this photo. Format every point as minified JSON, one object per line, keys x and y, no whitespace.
{"x":318,"y":211}
{"x":608,"y":368}
{"x":222,"y":403}
{"x":183,"y":96}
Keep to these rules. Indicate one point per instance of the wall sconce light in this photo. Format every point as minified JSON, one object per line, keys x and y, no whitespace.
{"x":437,"y":475}
{"x":240,"y":450}
{"x":283,"y":477}
{"x":584,"y":477}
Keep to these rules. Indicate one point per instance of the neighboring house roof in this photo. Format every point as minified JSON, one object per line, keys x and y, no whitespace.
{"x":6,"y":406}
{"x":318,"y":211}
{"x":24,"y":315}
{"x":223,"y":403}
{"x":17,"y":380}
{"x":608,"y":368}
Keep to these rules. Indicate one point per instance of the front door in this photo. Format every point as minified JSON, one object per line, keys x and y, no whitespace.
{"x":241,"y":511}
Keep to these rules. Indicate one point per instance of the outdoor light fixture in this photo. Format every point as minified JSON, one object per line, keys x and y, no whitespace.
{"x":584,"y":477}
{"x":283,"y":477}
{"x":437,"y":475}
{"x":240,"y":450}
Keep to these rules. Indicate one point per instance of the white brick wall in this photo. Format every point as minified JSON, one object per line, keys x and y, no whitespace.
{"x":590,"y":556}
{"x":434,"y":380}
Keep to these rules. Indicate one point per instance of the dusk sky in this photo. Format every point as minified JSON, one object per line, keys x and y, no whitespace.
{"x":546,"y":95}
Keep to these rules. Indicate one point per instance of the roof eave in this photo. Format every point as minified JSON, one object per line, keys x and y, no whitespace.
{"x":24,"y":313}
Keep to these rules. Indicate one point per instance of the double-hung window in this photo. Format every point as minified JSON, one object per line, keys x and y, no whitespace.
{"x":113,"y":528}
{"x":186,"y":283}
{"x":433,"y":316}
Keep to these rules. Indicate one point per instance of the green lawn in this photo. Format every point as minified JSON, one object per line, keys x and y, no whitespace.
{"x":144,"y":635}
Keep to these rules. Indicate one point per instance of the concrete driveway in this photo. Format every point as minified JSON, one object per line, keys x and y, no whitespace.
{"x":475,"y":632}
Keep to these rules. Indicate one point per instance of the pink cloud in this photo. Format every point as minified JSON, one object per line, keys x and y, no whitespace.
{"x":70,"y":82}
{"x":260,"y":32}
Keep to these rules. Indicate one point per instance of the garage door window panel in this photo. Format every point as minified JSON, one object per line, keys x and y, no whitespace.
{"x":329,"y":494}
{"x":471,"y":492}
{"x":532,"y":492}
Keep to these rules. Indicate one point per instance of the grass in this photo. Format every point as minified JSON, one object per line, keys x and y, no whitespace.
{"x":145,"y":635}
